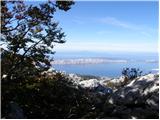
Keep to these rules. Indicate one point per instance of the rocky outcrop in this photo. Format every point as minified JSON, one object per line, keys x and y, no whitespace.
{"x":138,"y":99}
{"x":95,"y":86}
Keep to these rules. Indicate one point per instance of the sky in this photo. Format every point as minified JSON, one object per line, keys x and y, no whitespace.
{"x":110,"y":26}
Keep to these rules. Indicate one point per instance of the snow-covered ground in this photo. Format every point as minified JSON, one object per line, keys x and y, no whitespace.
{"x":136,"y":98}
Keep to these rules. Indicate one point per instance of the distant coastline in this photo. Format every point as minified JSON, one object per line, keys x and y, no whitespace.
{"x":92,"y":61}
{"x":86,"y":61}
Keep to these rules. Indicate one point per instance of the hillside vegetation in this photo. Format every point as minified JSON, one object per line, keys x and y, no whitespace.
{"x":59,"y":97}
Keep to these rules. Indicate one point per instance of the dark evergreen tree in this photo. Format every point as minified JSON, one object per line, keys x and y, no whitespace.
{"x":29,"y":33}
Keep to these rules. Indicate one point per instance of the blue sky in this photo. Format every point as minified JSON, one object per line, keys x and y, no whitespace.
{"x":110,"y":26}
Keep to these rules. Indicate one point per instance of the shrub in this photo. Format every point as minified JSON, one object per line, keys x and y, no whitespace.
{"x":131,"y":73}
{"x":47,"y":98}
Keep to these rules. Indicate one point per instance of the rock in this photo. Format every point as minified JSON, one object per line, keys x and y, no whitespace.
{"x":117,"y":80}
{"x":90,"y":84}
{"x":137,"y":98}
{"x":103,"y":90}
{"x":74,"y":79}
{"x":140,"y":95}
{"x":121,"y":112}
{"x":94,"y":85}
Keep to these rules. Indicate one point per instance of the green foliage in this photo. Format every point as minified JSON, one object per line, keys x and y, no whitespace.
{"x":29,"y":32}
{"x":131,"y":73}
{"x":111,"y":85}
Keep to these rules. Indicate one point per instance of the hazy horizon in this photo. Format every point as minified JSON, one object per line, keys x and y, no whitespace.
{"x":109,"y":54}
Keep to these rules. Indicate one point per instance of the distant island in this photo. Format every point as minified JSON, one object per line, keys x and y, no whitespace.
{"x":95,"y":61}
{"x":87,"y":61}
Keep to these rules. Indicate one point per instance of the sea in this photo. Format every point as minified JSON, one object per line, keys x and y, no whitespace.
{"x":146,"y":62}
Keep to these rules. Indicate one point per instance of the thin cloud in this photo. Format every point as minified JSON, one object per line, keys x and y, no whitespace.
{"x":103,"y":32}
{"x":77,"y":21}
{"x":80,"y":20}
{"x":113,"y":21}
{"x":142,"y":29}
{"x":126,"y":25}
